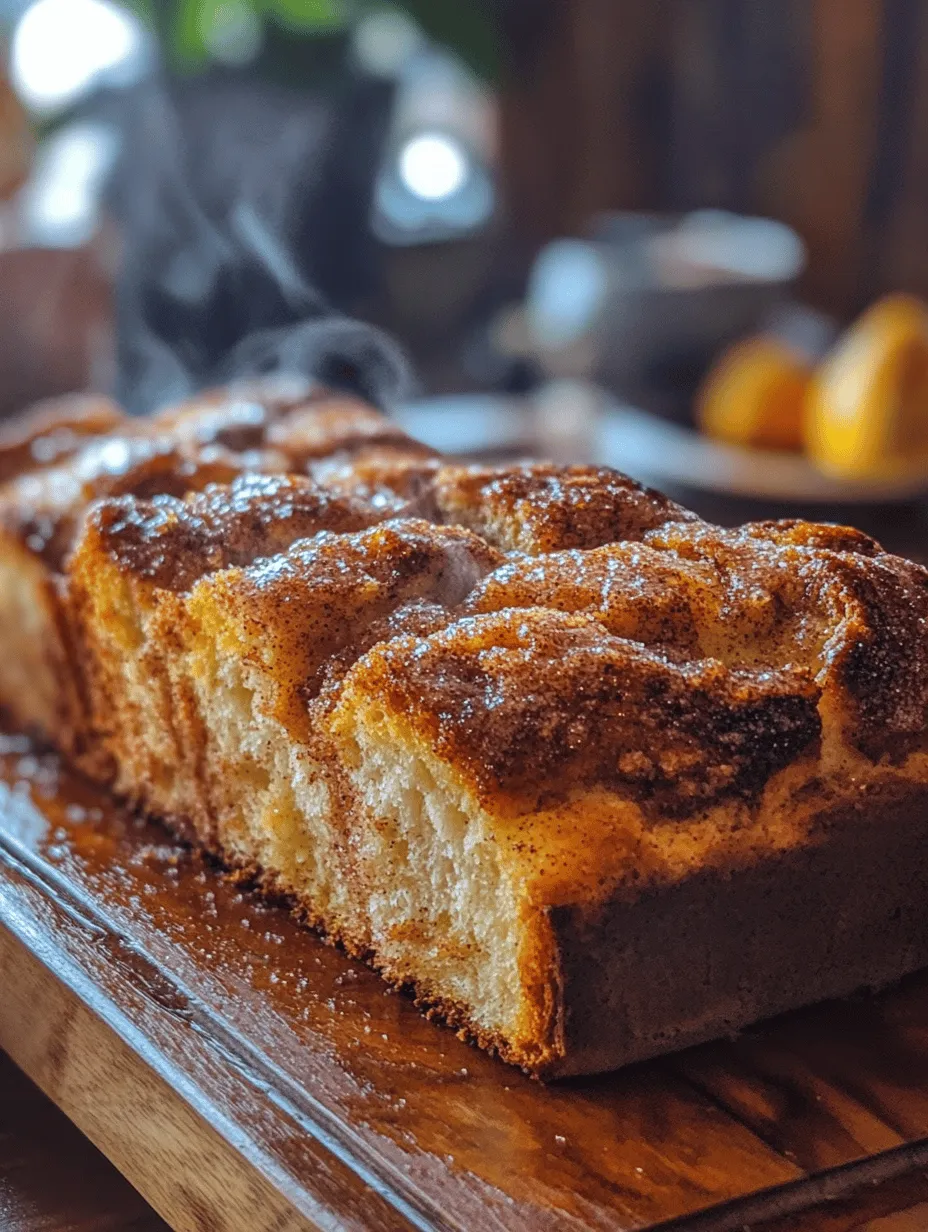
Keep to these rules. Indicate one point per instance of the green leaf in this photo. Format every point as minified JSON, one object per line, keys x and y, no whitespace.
{"x":191,"y":22}
{"x":309,"y":16}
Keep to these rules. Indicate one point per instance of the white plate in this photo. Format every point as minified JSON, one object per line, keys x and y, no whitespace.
{"x":664,"y":454}
{"x":650,"y":449}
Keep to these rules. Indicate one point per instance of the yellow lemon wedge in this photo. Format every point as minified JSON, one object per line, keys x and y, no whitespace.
{"x":867,"y":408}
{"x":755,"y":395}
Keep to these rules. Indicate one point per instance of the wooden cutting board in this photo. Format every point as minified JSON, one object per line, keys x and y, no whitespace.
{"x":245,"y":1076}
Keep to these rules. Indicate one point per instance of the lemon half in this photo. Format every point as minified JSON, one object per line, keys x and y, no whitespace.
{"x":867,"y":408}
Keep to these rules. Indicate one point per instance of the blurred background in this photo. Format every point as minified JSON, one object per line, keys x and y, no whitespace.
{"x":685,"y":237}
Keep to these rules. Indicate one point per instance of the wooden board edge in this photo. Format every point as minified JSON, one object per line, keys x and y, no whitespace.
{"x":184,"y":1168}
{"x":192,"y":1174}
{"x":65,"y":940}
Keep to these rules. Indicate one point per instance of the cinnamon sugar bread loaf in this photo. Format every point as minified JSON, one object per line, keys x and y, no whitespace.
{"x":597,"y":779}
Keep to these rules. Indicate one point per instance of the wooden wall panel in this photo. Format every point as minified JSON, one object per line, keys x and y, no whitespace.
{"x":814,"y":111}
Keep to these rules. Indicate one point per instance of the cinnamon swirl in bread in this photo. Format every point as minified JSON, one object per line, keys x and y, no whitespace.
{"x":596,"y":779}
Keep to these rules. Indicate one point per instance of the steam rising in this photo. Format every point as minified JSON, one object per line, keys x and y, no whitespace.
{"x":203,"y":301}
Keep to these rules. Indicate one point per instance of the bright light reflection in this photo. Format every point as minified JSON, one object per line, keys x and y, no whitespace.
{"x":61,"y":202}
{"x":60,"y":46}
{"x":433,"y":166}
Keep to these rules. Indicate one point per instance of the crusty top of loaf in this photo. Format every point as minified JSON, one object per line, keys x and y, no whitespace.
{"x":299,"y":424}
{"x":766,"y":595}
{"x":543,"y":508}
{"x":549,"y":630}
{"x":528,"y":507}
{"x":382,"y":473}
{"x":830,"y":599}
{"x":532,"y":705}
{"x":173,"y":542}
{"x":53,"y":431}
{"x":308,"y":613}
{"x":44,"y":509}
{"x":210,"y":440}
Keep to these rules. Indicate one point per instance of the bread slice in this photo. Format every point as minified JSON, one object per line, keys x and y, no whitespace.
{"x":41,"y":513}
{"x":596,"y":779}
{"x":497,"y":774}
{"x":63,"y":457}
{"x":649,"y":848}
{"x":34,"y":682}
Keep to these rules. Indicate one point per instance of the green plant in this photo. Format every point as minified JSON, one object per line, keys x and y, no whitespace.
{"x":184,"y":26}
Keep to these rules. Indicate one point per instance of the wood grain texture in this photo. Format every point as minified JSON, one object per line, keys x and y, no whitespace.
{"x":813,"y":111}
{"x":51,"y":1178}
{"x":192,"y":1175}
{"x":245,"y":1076}
{"x":834,"y":1082}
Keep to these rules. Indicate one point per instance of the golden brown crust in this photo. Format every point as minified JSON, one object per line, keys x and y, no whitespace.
{"x":172,"y":543}
{"x":51,"y":432}
{"x":775,"y":595}
{"x":208,"y":441}
{"x":544,"y":508}
{"x":311,"y":611}
{"x":338,"y":427}
{"x":532,"y":706}
{"x":135,"y":559}
{"x":43,"y":510}
{"x":634,"y":591}
{"x":831,"y":598}
{"x":290,"y":424}
{"x":826,"y":601}
{"x":383,"y":473}
{"x":532,"y":508}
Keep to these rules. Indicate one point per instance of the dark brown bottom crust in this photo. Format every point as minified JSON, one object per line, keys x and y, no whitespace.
{"x":686,"y":963}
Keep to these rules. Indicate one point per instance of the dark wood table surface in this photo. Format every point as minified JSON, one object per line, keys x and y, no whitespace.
{"x":53,"y":1180}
